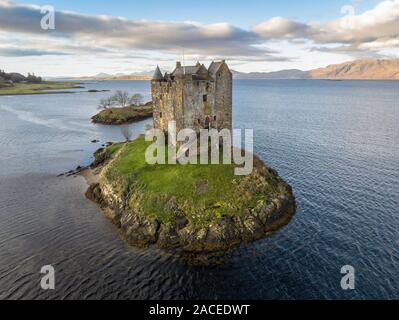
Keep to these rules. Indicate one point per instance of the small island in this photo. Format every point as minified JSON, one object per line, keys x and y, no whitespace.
{"x":197,"y":211}
{"x":121,"y":108}
{"x":117,"y":116}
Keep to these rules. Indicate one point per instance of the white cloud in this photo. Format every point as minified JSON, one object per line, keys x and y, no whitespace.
{"x":120,"y":33}
{"x":12,"y":51}
{"x":376,"y":28}
{"x":275,"y":43}
{"x":281,"y":28}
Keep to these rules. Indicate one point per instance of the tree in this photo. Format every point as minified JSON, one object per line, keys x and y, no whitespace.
{"x":137,"y":99}
{"x":106,"y":103}
{"x":125,"y":130}
{"x":17,"y":77}
{"x":121,"y":98}
{"x":31,"y":78}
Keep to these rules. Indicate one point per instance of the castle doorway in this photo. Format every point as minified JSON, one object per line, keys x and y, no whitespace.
{"x":207,"y":121}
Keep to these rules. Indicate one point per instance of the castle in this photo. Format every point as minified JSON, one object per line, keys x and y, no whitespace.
{"x":193,"y":96}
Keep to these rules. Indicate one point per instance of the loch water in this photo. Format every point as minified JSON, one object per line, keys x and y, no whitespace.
{"x":335,"y":142}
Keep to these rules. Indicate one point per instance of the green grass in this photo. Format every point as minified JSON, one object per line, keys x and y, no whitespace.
{"x":150,"y":187}
{"x":122,"y":115}
{"x":113,"y":148}
{"x":35,"y":88}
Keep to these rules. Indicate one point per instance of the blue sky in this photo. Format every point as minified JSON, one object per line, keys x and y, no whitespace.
{"x":239,"y":12}
{"x":253,"y":35}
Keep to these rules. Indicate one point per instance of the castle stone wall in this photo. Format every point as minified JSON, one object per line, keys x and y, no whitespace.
{"x":192,"y":103}
{"x":224,"y":98}
{"x":196,"y":110}
{"x":167,"y":100}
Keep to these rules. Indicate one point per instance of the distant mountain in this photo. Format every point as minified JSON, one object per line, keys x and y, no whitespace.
{"x":102,"y":75}
{"x":365,"y":69}
{"x":147,"y":75}
{"x":128,"y":77}
{"x":283,"y":74}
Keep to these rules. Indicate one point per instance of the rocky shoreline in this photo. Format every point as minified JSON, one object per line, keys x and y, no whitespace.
{"x":199,"y":246}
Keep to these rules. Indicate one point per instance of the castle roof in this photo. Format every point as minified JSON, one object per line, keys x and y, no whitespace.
{"x":197,"y":72}
{"x":186,"y":70}
{"x":214,"y":67}
{"x":157,"y":75}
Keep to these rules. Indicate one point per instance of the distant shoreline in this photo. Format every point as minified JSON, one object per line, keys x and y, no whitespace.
{"x":47,"y":87}
{"x":104,"y":79}
{"x":10,"y":91}
{"x":36,"y":93}
{"x":314,"y":79}
{"x":268,"y":79}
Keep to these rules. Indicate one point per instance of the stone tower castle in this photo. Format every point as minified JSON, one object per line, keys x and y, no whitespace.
{"x":193,"y":96}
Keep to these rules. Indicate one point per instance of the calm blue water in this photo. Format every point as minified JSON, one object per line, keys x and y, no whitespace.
{"x":335,"y":142}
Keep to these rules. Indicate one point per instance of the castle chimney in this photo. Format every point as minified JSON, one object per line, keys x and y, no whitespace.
{"x":178,"y":64}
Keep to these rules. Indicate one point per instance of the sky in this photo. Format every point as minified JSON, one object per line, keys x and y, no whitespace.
{"x":91,"y":37}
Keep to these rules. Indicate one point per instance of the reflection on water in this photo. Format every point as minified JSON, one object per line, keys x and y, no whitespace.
{"x":334,"y":142}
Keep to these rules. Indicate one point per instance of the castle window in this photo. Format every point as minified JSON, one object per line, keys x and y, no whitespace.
{"x":160,"y":114}
{"x":199,"y":121}
{"x":214,"y":118}
{"x":204,"y":98}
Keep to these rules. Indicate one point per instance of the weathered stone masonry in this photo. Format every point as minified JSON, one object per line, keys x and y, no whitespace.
{"x":193,"y":96}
